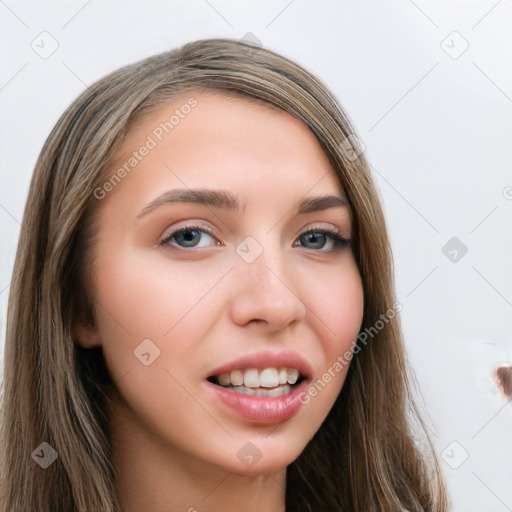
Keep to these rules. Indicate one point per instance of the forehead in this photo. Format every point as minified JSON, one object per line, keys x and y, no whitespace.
{"x":211,"y":140}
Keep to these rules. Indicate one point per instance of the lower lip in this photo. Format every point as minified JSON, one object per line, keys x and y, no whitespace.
{"x":263,"y":409}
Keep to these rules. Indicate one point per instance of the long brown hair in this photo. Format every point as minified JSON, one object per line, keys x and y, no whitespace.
{"x":366,"y":455}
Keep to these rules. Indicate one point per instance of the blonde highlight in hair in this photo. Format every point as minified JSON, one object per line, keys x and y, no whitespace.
{"x":364,"y":457}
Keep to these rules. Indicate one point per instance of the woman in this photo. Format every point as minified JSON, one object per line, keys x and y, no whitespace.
{"x":202,"y":314}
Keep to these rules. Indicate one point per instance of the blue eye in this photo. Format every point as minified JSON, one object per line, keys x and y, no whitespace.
{"x":319,"y":238}
{"x":189,"y":237}
{"x":194,"y":236}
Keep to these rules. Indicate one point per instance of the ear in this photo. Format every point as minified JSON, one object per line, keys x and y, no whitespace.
{"x":86,"y":335}
{"x":85,"y":332}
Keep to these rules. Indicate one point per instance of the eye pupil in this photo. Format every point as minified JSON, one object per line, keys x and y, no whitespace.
{"x":190,"y":235}
{"x":317,"y":239}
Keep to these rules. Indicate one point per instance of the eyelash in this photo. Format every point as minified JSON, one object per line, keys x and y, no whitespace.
{"x":339,"y":241}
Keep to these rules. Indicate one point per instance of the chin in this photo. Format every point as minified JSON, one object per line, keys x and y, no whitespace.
{"x":263,"y":456}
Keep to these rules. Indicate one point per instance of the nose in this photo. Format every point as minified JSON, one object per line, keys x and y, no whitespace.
{"x":266,"y":293}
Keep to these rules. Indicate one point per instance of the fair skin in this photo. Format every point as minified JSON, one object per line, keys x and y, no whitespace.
{"x":176,"y":444}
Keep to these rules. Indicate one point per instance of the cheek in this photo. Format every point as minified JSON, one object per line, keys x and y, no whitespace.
{"x":338,"y":309}
{"x":150,"y":295}
{"x":140,"y":299}
{"x":338,"y":304}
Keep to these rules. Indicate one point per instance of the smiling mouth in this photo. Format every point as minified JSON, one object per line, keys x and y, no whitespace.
{"x":269,"y":382}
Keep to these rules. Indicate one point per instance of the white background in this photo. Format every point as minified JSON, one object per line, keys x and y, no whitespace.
{"x":437,"y":128}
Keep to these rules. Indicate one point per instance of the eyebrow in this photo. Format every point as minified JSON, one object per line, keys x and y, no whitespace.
{"x":227,"y":200}
{"x":316,"y":204}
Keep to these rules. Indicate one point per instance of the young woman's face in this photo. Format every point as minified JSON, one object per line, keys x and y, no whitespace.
{"x":220,"y":261}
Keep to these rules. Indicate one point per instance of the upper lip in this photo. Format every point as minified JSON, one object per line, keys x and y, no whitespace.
{"x":267,"y":359}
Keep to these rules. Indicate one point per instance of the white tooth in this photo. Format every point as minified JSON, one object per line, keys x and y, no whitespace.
{"x":237,"y":378}
{"x":251,"y":378}
{"x":223,"y":379}
{"x":268,"y":378}
{"x":283,"y":376}
{"x":293,"y":375}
